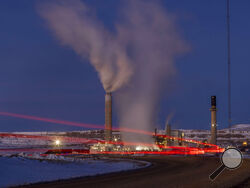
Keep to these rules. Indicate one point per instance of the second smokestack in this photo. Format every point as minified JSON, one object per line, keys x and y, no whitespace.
{"x":213,"y":109}
{"x":108,"y":117}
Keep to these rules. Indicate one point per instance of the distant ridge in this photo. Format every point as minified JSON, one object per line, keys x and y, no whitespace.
{"x":243,"y":127}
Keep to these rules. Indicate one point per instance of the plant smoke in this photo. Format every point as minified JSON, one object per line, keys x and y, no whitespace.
{"x":136,"y":60}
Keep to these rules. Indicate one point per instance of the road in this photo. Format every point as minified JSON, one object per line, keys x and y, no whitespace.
{"x":165,"y":171}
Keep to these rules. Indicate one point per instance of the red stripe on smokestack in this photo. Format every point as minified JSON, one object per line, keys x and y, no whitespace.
{"x":108,"y":117}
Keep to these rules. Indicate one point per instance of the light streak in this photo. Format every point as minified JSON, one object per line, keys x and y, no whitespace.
{"x":94,"y":141}
{"x":168,"y":150}
{"x":49,"y":120}
{"x":97,"y":126}
{"x":23,"y":150}
{"x":177,"y":150}
{"x":70,"y":123}
{"x":51,"y":138}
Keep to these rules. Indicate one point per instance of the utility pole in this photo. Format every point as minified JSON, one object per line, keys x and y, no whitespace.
{"x":229,"y":65}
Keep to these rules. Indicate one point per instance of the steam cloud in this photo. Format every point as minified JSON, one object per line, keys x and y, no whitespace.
{"x":138,"y":58}
{"x":75,"y":26}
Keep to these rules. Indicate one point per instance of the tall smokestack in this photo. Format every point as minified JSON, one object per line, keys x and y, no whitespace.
{"x":168,"y":133}
{"x":108,"y":116}
{"x":213,"y":109}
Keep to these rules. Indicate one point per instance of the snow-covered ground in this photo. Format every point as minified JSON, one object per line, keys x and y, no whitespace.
{"x":20,"y":170}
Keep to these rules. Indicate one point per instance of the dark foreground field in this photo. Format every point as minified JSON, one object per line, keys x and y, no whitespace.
{"x":167,"y":172}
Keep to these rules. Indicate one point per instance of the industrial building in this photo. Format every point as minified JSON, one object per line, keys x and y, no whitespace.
{"x":173,"y":137}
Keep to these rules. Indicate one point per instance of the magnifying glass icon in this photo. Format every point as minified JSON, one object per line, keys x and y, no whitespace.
{"x":231,"y":159}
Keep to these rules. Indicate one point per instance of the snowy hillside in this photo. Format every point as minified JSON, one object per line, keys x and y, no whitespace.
{"x":243,"y":127}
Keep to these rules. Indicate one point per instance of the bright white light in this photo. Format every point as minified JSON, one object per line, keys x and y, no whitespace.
{"x":138,"y":148}
{"x":145,"y":148}
{"x":57,"y":142}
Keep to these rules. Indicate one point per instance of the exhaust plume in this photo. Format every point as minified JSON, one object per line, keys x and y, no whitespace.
{"x":75,"y":26}
{"x":138,"y":58}
{"x":169,"y":117}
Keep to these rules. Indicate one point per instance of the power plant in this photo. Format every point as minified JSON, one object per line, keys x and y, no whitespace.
{"x":164,"y":139}
{"x":213,"y":109}
{"x":108,"y":117}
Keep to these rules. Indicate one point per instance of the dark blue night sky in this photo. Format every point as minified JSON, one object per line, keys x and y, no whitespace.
{"x":40,"y":77}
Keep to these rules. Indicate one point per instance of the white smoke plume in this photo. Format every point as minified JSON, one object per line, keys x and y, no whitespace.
{"x":168,"y":119}
{"x":151,"y":34}
{"x":138,"y":58}
{"x":75,"y":26}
